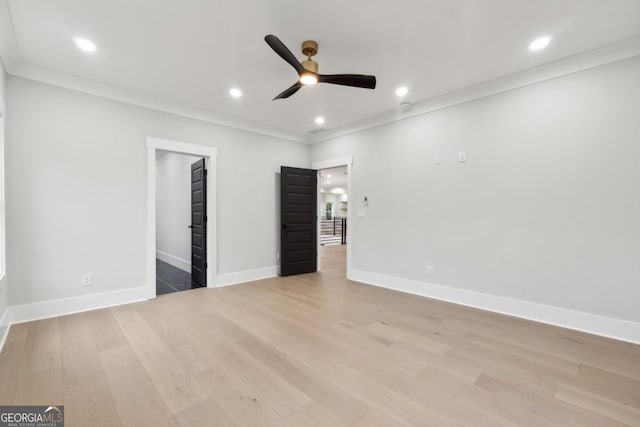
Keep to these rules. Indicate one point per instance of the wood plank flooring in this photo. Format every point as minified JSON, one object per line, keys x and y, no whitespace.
{"x":316,"y":350}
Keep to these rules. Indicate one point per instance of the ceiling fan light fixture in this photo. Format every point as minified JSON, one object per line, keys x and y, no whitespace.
{"x":308,"y":70}
{"x":308,"y":79}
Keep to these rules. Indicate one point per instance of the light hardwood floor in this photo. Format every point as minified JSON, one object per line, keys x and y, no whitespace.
{"x":316,"y":350}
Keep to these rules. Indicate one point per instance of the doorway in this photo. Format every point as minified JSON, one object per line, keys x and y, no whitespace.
{"x":181,"y":216}
{"x":334,"y":216}
{"x":180,"y":222}
{"x":333,"y":221}
{"x":334,"y":202}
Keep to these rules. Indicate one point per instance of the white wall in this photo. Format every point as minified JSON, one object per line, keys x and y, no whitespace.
{"x":76,"y":190}
{"x":3,"y":78}
{"x":173,"y":209}
{"x":3,"y":277}
{"x":546,"y":210}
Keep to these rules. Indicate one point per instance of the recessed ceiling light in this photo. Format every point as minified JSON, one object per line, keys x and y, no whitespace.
{"x":319,"y":120}
{"x":84,"y":44}
{"x":402,"y":91}
{"x":539,"y":43}
{"x":235,"y":92}
{"x":328,"y":175}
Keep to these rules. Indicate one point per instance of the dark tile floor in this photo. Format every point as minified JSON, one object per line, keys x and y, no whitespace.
{"x":171,"y":279}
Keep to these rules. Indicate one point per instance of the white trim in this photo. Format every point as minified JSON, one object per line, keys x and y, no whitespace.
{"x":8,"y":44}
{"x":610,"y":327}
{"x":573,"y":64}
{"x":4,"y":316}
{"x":327,"y":164}
{"x":181,"y":147}
{"x":4,"y":327}
{"x":332,"y":163}
{"x":579,"y":62}
{"x":227,"y":279}
{"x":210,"y":154}
{"x":59,"y":307}
{"x":180,"y":263}
{"x":4,"y":333}
{"x":68,"y":81}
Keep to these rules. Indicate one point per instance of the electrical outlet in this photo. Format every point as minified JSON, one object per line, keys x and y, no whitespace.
{"x":277,"y":256}
{"x":86,"y":280}
{"x":462,"y":156}
{"x":436,"y":159}
{"x":429,"y":270}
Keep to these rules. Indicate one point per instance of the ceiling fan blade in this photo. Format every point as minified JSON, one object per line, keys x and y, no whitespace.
{"x":356,"y":80}
{"x":284,"y":52}
{"x":290,"y":91}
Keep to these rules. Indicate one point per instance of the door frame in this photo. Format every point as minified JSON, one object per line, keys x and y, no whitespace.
{"x":327,"y":164}
{"x":210,"y":154}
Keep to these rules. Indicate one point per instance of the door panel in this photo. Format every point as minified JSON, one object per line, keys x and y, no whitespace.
{"x":298,"y":222}
{"x":198,"y":224}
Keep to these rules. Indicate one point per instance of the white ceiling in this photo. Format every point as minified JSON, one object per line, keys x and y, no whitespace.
{"x":333,"y":178}
{"x":191,"y":52}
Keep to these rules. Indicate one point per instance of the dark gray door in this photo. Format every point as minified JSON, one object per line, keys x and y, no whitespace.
{"x":198,"y":224}
{"x":298,"y":222}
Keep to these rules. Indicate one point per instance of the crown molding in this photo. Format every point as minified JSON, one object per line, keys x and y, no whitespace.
{"x":573,"y":64}
{"x":68,"y":81}
{"x":10,"y":55}
{"x":9,"y":52}
{"x":14,"y":65}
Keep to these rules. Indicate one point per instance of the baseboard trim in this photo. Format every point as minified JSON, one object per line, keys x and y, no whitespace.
{"x":4,"y":328}
{"x":238,"y":277}
{"x":623,"y":330}
{"x":180,"y":263}
{"x":46,"y":309}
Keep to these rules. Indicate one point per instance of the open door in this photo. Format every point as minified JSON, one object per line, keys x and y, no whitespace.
{"x":298,"y":221}
{"x":198,"y":224}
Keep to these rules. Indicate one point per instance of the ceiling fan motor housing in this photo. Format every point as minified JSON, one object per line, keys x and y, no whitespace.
{"x":309,"y":49}
{"x":310,"y":65}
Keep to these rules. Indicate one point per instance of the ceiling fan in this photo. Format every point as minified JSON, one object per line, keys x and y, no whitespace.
{"x":308,"y":70}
